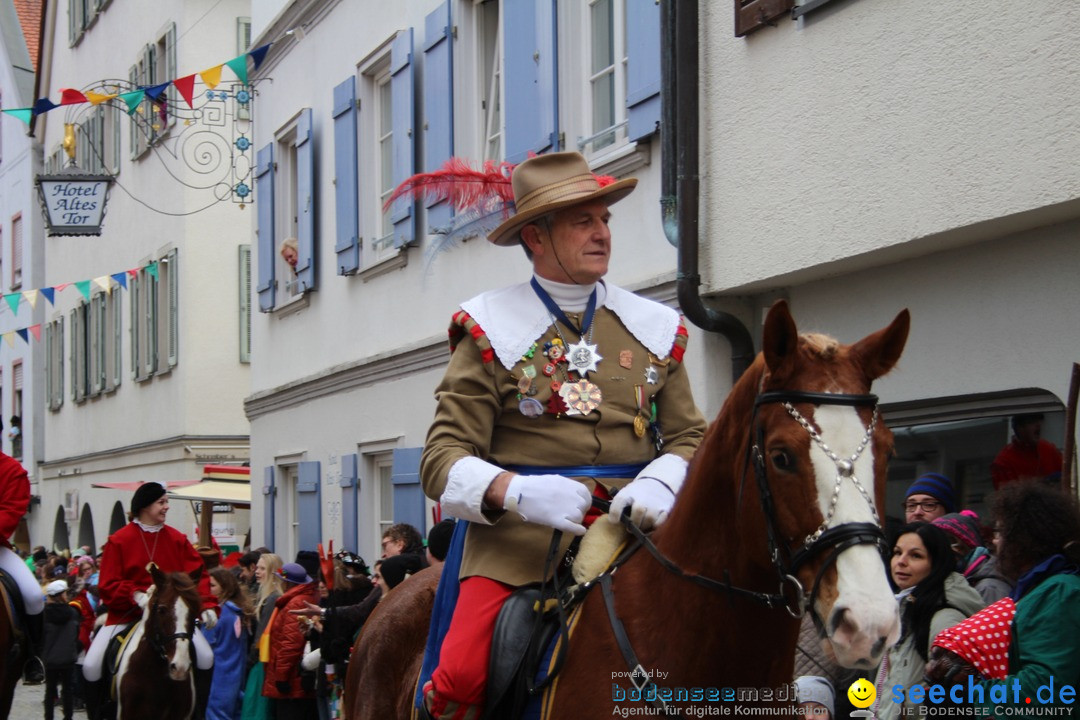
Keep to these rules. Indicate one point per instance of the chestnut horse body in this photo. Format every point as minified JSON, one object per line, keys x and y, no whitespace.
{"x":13,"y":655}
{"x":822,"y":472}
{"x":156,"y":677}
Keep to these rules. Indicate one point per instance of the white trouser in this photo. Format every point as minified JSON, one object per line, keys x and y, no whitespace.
{"x":204,"y":655}
{"x":15,"y":566}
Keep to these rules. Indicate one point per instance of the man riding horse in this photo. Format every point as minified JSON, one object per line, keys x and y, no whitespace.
{"x":558,"y":389}
{"x":14,"y":501}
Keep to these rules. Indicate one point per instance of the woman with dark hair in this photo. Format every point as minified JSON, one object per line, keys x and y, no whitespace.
{"x":932,"y":597}
{"x":229,"y":641}
{"x":1038,"y":530}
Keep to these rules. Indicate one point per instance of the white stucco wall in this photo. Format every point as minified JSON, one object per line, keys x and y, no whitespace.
{"x":875,"y":130}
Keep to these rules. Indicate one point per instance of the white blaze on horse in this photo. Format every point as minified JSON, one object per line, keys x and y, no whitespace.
{"x":156,"y":675}
{"x":779,"y":516}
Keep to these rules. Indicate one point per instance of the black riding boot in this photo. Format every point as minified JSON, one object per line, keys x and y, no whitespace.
{"x":34,"y":670}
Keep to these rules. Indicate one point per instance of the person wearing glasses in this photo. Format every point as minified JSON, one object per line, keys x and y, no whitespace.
{"x":928,"y":498}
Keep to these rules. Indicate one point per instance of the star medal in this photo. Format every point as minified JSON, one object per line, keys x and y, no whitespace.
{"x":582,"y":357}
{"x":582,"y":396}
{"x":652,"y":376}
{"x":530,"y":407}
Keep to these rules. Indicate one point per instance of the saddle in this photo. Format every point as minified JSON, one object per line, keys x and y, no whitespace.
{"x":114,"y":653}
{"x":13,"y":599}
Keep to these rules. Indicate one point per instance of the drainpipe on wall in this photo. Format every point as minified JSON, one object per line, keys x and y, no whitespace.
{"x":679,"y":178}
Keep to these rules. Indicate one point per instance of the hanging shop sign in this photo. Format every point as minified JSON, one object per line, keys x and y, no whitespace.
{"x":73,"y":202}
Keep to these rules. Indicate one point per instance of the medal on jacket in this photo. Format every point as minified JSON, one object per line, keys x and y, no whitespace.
{"x":581,"y":357}
{"x":581,"y":396}
{"x":641,"y":420}
{"x":530,"y":407}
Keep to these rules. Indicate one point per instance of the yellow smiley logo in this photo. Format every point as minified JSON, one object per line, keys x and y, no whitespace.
{"x":862,"y":693}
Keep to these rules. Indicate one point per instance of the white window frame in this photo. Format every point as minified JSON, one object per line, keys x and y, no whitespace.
{"x":286,"y":206}
{"x":54,"y":363}
{"x":155,"y":317}
{"x":478,"y":86}
{"x":245,"y":302}
{"x":592,"y":132}
{"x":375,"y":223}
{"x":243,"y":35}
{"x":80,"y":370}
{"x":16,"y":251}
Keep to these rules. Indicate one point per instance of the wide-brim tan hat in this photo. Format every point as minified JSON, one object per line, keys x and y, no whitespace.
{"x":547,"y":183}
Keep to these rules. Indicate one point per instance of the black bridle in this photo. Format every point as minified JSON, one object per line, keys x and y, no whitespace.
{"x":158,"y":640}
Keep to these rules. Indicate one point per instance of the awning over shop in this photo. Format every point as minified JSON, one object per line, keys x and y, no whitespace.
{"x":133,"y":485}
{"x":217,"y":491}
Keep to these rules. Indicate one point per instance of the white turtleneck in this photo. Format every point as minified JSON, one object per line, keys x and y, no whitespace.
{"x":150,"y":528}
{"x":572,"y":298}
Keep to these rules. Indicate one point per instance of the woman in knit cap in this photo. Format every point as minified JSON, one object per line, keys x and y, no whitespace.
{"x":124,"y":579}
{"x":973,"y":559}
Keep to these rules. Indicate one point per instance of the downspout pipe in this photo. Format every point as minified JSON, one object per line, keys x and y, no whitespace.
{"x":679,"y":179}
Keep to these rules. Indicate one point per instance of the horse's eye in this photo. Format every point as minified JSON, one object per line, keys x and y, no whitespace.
{"x":783,"y":460}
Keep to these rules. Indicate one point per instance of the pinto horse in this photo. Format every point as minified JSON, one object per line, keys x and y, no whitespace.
{"x":779,"y":515}
{"x":156,"y":677}
{"x":13,"y":653}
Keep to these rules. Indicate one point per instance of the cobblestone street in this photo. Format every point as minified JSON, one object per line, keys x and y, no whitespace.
{"x":27,"y":704}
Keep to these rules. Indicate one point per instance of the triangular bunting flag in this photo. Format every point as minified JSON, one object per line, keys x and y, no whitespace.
{"x":13,"y":301}
{"x":60,"y":287}
{"x":49,"y":293}
{"x":186,"y":87}
{"x":152,"y":269}
{"x":23,"y":114}
{"x":259,"y":54}
{"x":69,"y":96}
{"x":9,"y":338}
{"x":239,"y":66}
{"x":134,"y":272}
{"x":103,"y":283}
{"x":24,"y":335}
{"x":83,"y":286}
{"x":133,"y":99}
{"x":31,"y":297}
{"x":98,"y":98}
{"x":44,"y":105}
{"x":120,"y":278}
{"x":35,"y":330}
{"x":211,"y":76}
{"x":155,"y":92}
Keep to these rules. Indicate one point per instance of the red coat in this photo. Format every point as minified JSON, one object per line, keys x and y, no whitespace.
{"x":87,"y":617}
{"x":287,"y":643}
{"x":123,"y":568}
{"x":14,"y":497}
{"x":1017,"y":461}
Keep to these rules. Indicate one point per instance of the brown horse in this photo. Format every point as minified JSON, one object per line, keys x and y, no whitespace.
{"x":13,"y":653}
{"x":156,"y":677}
{"x":779,"y":515}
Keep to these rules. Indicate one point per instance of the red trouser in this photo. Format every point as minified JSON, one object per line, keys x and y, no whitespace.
{"x":461,"y":677}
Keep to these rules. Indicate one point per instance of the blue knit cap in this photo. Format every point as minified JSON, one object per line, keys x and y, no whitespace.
{"x":936,"y":486}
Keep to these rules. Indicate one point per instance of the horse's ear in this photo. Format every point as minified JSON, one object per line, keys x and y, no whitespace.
{"x":155,"y":573}
{"x":781,"y":337}
{"x":196,"y":574}
{"x":879,"y":352}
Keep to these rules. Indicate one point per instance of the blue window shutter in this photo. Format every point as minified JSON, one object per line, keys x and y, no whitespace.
{"x":264,"y":204}
{"x":530,"y":77}
{"x":350,"y":502}
{"x":404,"y":150}
{"x":438,"y":102}
{"x":408,"y":495}
{"x":269,"y":497}
{"x":346,"y":214}
{"x":309,"y":504}
{"x":642,"y":67}
{"x":305,"y":198}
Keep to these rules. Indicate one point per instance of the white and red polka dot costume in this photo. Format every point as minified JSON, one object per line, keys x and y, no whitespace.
{"x":983,"y":639}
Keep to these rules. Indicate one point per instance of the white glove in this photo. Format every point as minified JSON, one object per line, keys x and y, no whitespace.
{"x":209,"y":618}
{"x":551,"y":500}
{"x":649,"y":501}
{"x":140,"y":599}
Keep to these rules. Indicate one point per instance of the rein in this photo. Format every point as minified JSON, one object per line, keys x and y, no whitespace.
{"x":159,"y":640}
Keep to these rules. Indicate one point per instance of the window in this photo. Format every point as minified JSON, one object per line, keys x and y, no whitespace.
{"x":80,"y":12}
{"x":243,"y":35}
{"x":154,"y":296}
{"x":288,"y":207}
{"x":489,"y":33}
{"x":16,"y":251}
{"x":54,"y":364}
{"x":99,"y":141}
{"x":80,"y":352}
{"x":382,"y":471}
{"x":607,"y":74}
{"x":17,"y":408}
{"x":95,"y":350}
{"x":156,"y":65}
{"x":379,"y":128}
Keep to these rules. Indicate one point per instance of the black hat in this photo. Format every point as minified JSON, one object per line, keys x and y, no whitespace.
{"x":396,"y":568}
{"x":147,"y":494}
{"x":309,"y":560}
{"x":438,"y":538}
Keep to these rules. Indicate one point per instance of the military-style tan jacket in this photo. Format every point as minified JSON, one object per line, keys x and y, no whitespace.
{"x":478,"y":414}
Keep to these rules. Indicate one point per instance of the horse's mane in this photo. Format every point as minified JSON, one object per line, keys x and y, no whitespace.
{"x":185,"y":587}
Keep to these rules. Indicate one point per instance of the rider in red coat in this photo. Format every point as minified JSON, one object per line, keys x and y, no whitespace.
{"x":124,"y":579}
{"x":14,"y":501}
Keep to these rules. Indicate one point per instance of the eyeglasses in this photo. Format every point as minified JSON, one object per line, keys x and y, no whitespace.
{"x":926,"y":505}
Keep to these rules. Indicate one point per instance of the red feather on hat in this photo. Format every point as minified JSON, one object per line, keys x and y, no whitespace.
{"x":459,"y":183}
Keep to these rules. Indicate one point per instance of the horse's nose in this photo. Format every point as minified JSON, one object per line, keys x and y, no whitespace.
{"x":859,"y":639}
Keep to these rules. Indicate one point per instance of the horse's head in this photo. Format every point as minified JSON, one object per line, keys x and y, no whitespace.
{"x":819,"y":452}
{"x":172,"y":607}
